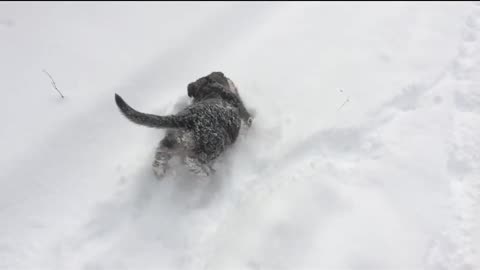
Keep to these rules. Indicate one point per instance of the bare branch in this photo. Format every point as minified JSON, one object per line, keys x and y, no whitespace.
{"x":346,"y":101}
{"x":53,"y":83}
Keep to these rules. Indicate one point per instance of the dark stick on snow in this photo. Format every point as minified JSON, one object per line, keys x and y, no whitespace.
{"x":53,"y":83}
{"x":347,"y":100}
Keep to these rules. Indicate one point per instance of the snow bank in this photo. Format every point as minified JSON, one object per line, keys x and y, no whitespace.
{"x":363,"y":154}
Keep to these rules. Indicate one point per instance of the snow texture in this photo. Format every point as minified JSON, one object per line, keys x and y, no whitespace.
{"x":364,"y":152}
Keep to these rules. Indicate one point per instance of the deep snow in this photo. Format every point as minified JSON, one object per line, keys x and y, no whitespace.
{"x":364,"y":153}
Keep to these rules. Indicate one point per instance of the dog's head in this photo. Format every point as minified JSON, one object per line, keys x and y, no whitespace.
{"x":217,"y":85}
{"x":209,"y":86}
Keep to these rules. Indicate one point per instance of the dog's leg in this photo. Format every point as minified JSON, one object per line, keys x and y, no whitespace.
{"x":198,"y":167}
{"x":163,"y":154}
{"x":160,"y":163}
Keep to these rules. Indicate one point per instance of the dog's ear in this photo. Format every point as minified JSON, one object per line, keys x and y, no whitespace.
{"x":192,"y":89}
{"x":217,"y":74}
{"x":218,"y":77}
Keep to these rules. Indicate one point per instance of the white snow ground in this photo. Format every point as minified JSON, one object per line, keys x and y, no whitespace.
{"x":389,"y":180}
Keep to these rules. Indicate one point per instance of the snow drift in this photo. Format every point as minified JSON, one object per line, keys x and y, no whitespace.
{"x":363,"y":153}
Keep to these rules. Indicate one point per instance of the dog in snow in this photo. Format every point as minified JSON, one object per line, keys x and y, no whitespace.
{"x":201,"y":131}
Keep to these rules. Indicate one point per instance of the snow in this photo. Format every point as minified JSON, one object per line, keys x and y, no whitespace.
{"x":364,"y":153}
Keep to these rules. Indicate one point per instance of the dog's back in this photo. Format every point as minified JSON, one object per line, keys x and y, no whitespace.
{"x":206,"y":127}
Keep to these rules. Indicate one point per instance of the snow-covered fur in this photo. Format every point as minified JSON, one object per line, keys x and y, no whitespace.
{"x":200,"y":132}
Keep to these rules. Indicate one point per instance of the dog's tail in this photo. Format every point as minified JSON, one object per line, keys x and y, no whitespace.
{"x":148,"y":120}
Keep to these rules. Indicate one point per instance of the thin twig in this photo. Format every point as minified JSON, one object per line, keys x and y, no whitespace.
{"x":53,"y":83}
{"x":347,"y":100}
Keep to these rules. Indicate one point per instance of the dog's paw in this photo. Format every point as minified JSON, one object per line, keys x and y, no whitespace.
{"x":159,"y":170}
{"x":200,"y":173}
{"x":249,"y":122}
{"x":197,"y":168}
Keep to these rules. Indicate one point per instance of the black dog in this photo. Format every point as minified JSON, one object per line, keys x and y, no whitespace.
{"x":200,"y":132}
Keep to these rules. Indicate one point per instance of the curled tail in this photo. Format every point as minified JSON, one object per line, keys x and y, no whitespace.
{"x":148,"y":120}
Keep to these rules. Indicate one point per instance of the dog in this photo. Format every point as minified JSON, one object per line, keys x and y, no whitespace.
{"x":200,"y":132}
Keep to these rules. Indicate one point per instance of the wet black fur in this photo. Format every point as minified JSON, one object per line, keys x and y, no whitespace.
{"x":203,"y":130}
